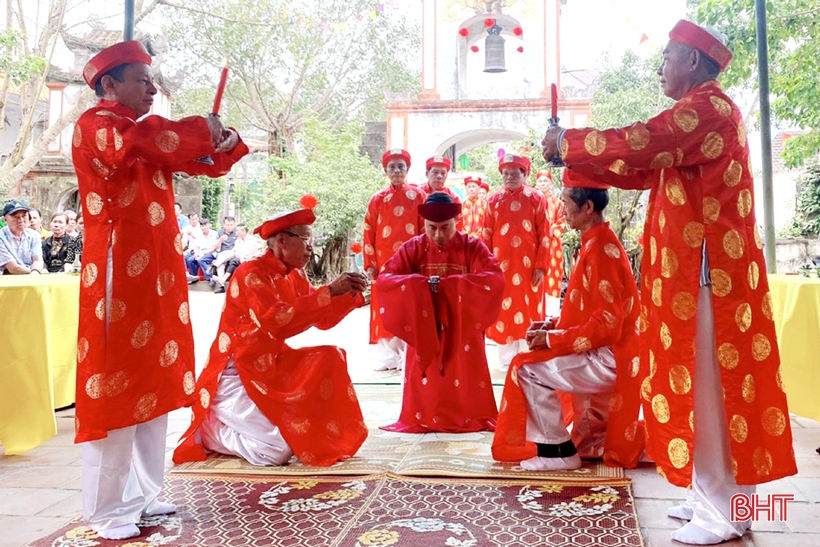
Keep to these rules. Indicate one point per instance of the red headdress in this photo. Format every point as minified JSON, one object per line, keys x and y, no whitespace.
{"x":699,"y":38}
{"x":124,"y":53}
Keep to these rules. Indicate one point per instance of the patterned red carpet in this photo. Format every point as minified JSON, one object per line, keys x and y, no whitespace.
{"x":378,"y":510}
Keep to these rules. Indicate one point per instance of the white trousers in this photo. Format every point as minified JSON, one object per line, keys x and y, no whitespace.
{"x":234,"y":425}
{"x":713,"y":481}
{"x":390,"y":352}
{"x":122,"y":474}
{"x":506,"y":352}
{"x":590,"y":377}
{"x":552,"y":306}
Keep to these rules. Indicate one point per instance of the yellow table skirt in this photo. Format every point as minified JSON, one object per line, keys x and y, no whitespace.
{"x":38,"y":352}
{"x":796,"y":311}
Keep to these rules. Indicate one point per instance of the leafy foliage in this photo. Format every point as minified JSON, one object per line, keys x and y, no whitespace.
{"x":21,"y":67}
{"x":806,"y":220}
{"x":212,"y":190}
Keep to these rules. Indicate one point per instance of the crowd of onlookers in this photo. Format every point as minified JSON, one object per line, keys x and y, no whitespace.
{"x":27,"y":247}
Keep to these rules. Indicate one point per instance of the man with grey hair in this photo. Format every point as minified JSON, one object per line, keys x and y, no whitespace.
{"x":716,"y":412}
{"x":20,"y":247}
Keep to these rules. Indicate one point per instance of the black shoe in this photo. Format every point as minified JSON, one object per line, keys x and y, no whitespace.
{"x":219,"y":290}
{"x":192,"y":279}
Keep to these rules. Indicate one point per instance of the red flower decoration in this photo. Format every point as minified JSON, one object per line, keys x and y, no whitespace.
{"x":356,"y":247}
{"x":489,"y":22}
{"x":518,"y":31}
{"x":464,"y":32}
{"x":520,"y":49}
{"x":474,"y":49}
{"x":308,"y":201}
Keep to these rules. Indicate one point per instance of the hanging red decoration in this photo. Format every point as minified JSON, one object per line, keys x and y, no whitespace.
{"x":464,"y":32}
{"x":308,"y":201}
{"x":356,"y":247}
{"x":520,"y":49}
{"x":489,"y":22}
{"x":518,"y":31}
{"x":474,"y":49}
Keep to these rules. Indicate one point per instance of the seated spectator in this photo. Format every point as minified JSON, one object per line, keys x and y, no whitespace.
{"x":260,"y":399}
{"x":71,"y":225}
{"x":36,"y":222}
{"x":21,"y":250}
{"x":248,"y":246}
{"x":182,"y":220}
{"x":190,"y":233}
{"x":222,"y":250}
{"x":202,"y":245}
{"x":590,"y":352}
{"x":75,"y":247}
{"x":55,"y":247}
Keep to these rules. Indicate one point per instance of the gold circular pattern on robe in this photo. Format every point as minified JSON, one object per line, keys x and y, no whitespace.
{"x":515,"y":206}
{"x":118,"y":142}
{"x":254,"y":319}
{"x":506,"y":303}
{"x":178,"y":243}
{"x":167,"y":141}
{"x":102,"y":139}
{"x":99,"y":309}
{"x":137,"y":263}
{"x":518,"y":319}
{"x":263,"y":362}
{"x":662,"y":161}
{"x":253,"y":281}
{"x":515,"y":242}
{"x":693,"y":234}
{"x":505,"y":265}
{"x":748,"y":388}
{"x":386,"y":231}
{"x":738,"y":428}
{"x":635,"y":366}
{"x":527,"y":262}
{"x":575,"y":296}
{"x":653,"y":250}
{"x":646,"y":389}
{"x":666,"y":336}
{"x":657,"y":288}
{"x":98,"y":166}
{"x":159,"y":180}
{"x":692,"y":421}
{"x":721,"y":282}
{"x":398,"y":210}
{"x":333,"y":430}
{"x":778,"y":378}
{"x":411,"y":194}
{"x":188,"y":382}
{"x":616,"y":402}
{"x":741,"y":133}
{"x":516,"y":280}
{"x":114,"y":384}
{"x":77,"y":139}
{"x":767,"y":306}
{"x":631,"y":431}
{"x":712,"y":146}
{"x":753,"y":275}
{"x":82,"y":349}
{"x":204,"y":398}
{"x":499,"y":326}
{"x":234,"y":289}
{"x":679,"y":380}
{"x":642,"y":320}
{"x":165,"y":282}
{"x":762,"y":461}
{"x":527,"y":225}
{"x":678,"y":453}
{"x":156,"y":214}
{"x":669,"y":262}
{"x":169,"y":354}
{"x":145,"y":407}
{"x":675,"y":192}
{"x":684,"y":306}
{"x":410,"y":228}
{"x":774,"y":421}
{"x":118,"y":310}
{"x":610,"y":320}
{"x":581,"y":344}
{"x":564,"y":148}
{"x":637,"y":137}
{"x":758,"y":241}
{"x":761,"y":347}
{"x":128,"y":194}
{"x":661,"y":220}
{"x":368,"y":249}
{"x":711,"y":210}
{"x":744,"y":203}
{"x":183,"y":313}
{"x":660,"y":408}
{"x":93,"y":386}
{"x":89,"y":275}
{"x":326,"y":389}
{"x":606,"y":290}
{"x":612,"y":251}
{"x":743,"y":317}
{"x":142,"y":334}
{"x":733,"y":244}
{"x":504,"y":229}
{"x":260,"y":387}
{"x":93,"y":203}
{"x":224,"y":342}
{"x":722,"y":107}
{"x":619,"y":167}
{"x":595,"y":143}
{"x":686,"y":119}
{"x":733,"y":174}
{"x":728,"y":356}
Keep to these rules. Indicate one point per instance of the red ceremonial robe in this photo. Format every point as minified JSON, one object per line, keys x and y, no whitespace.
{"x":447,"y":385}
{"x":517,"y":232}
{"x":306,"y":392}
{"x":472,"y":216}
{"x":601,"y":309}
{"x":391,"y":219}
{"x":694,"y":158}
{"x":143,"y":367}
{"x":557,"y":220}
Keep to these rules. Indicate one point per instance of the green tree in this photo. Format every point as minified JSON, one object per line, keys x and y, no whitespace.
{"x":794,"y":62}
{"x":806,"y":222}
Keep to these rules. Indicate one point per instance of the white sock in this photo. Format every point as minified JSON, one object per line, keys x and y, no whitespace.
{"x":159,"y":508}
{"x":537,"y":463}
{"x":682,"y":512}
{"x":120,"y":532}
{"x":692,"y":534}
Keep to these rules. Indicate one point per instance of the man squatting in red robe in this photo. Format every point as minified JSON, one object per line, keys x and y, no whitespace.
{"x":135,"y":354}
{"x":260,"y":399}
{"x":440,"y":291}
{"x":590,"y":351}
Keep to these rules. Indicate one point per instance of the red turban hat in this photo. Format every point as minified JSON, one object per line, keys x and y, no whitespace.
{"x":124,"y":53}
{"x":543,"y":173}
{"x":515,"y":161}
{"x":699,"y":38}
{"x":439,"y":161}
{"x":283,"y":221}
{"x":395,"y":154}
{"x":483,"y":184}
{"x":468,"y":179}
{"x":574,"y":179}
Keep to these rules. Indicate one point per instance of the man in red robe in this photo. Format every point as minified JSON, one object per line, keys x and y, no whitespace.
{"x":590,"y":351}
{"x":390,"y":220}
{"x":716,"y":411}
{"x":135,"y":356}
{"x":484,"y":190}
{"x":557,"y":220}
{"x":440,"y":291}
{"x":260,"y":399}
{"x":517,"y":233}
{"x":473,"y":208}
